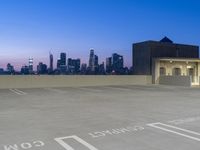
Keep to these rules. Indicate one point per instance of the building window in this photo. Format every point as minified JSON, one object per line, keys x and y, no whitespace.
{"x":162,"y":71}
{"x":176,"y":72}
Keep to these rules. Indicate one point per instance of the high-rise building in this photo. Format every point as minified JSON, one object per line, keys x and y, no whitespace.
{"x":63,"y":59}
{"x":96,"y":64}
{"x":30,"y":66}
{"x":102,"y":68}
{"x":117,"y":63}
{"x":1,"y":71}
{"x":96,"y":60}
{"x":73,"y":65}
{"x":10,"y":68}
{"x":58,"y":64}
{"x":25,"y":70}
{"x":50,"y":62}
{"x":41,"y":68}
{"x":92,"y":61}
{"x":109,"y":64}
{"x":63,"y":66}
{"x":83,"y":68}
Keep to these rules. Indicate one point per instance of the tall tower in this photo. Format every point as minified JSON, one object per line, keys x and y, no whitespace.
{"x":30,"y":62}
{"x":50,"y":62}
{"x":92,"y":60}
{"x":117,"y":63}
{"x":63,"y":59}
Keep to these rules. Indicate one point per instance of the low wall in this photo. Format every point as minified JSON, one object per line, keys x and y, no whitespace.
{"x":43,"y":81}
{"x":175,"y":80}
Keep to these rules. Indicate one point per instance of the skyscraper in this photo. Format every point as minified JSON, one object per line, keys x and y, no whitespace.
{"x":25,"y":70}
{"x":102,"y":68}
{"x":91,"y":60}
{"x":109,"y":64}
{"x":96,"y":63}
{"x":73,"y":65}
{"x":83,"y":68}
{"x":10,"y":68}
{"x":41,"y":68}
{"x":30,"y":66}
{"x":63,"y":66}
{"x":63,"y":59}
{"x":51,"y":62}
{"x":58,"y":64}
{"x":117,"y":63}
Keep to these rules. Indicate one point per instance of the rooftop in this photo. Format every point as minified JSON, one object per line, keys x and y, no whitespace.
{"x":130,"y":117}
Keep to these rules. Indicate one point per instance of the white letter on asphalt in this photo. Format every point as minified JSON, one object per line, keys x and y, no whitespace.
{"x":38,"y":143}
{"x":10,"y":147}
{"x":26,"y":145}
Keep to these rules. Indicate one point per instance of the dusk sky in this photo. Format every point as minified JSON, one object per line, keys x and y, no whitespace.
{"x":32,"y":28}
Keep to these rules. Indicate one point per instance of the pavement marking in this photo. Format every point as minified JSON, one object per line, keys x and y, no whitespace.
{"x":61,"y":141}
{"x":18,"y":92}
{"x":25,"y":145}
{"x":156,"y":125}
{"x":187,"y":120}
{"x":116,"y":131}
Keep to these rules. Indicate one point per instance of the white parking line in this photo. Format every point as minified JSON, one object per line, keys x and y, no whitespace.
{"x":79,"y":140}
{"x":18,"y":92}
{"x":159,"y":125}
{"x":186,"y":120}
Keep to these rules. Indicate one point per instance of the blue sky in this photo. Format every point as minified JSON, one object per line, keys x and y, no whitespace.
{"x":32,"y":28}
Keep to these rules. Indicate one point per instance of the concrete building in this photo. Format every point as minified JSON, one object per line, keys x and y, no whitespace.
{"x":180,"y":71}
{"x":145,"y":52}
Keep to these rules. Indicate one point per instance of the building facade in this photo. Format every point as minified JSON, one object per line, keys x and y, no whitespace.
{"x":93,"y":62}
{"x":176,"y":68}
{"x":145,"y":52}
{"x":117,"y":63}
{"x":73,"y":65}
{"x":30,"y":65}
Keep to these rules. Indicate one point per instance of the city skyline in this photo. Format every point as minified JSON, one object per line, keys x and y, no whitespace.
{"x":33,"y":28}
{"x":53,"y":61}
{"x":71,"y":66}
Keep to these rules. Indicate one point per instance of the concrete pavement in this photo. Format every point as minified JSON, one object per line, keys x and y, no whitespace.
{"x":140,"y":117}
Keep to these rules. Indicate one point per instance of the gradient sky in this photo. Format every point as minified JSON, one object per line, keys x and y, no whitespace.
{"x":32,"y":28}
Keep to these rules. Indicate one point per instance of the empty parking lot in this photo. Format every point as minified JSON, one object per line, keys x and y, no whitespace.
{"x":148,"y":117}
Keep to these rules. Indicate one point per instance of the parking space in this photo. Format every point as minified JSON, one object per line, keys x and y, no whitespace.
{"x":100,"y":118}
